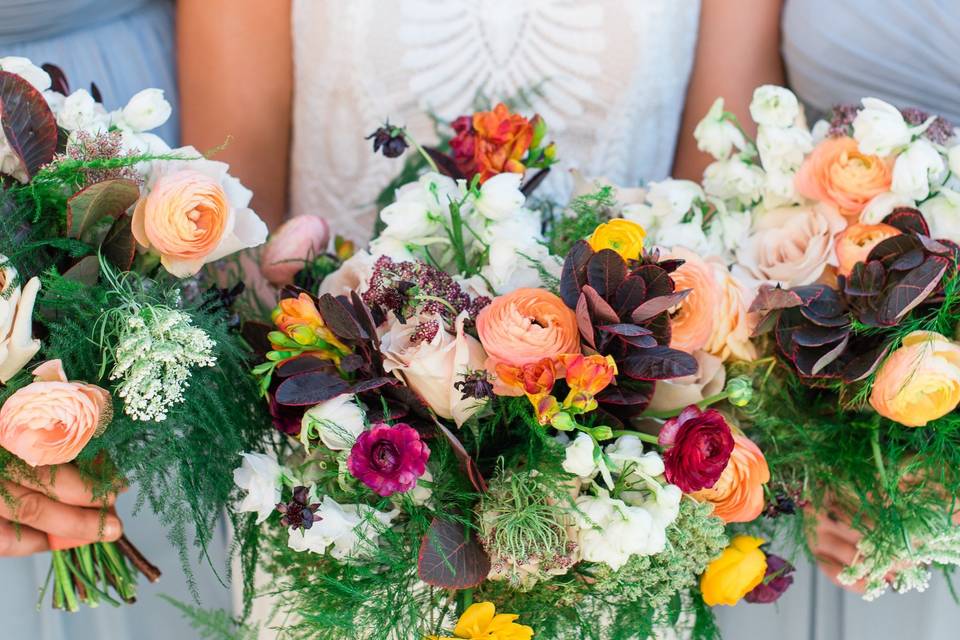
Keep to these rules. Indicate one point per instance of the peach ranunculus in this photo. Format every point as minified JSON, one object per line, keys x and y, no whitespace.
{"x":299,"y":239}
{"x":675,"y":394}
{"x":738,"y":495}
{"x":791,"y":245}
{"x":525,"y":326}
{"x":836,"y":172}
{"x":854,"y":243}
{"x":17,"y":344}
{"x":692,"y":323}
{"x":432,"y":367}
{"x":193,"y":212}
{"x":620,"y":235}
{"x":502,"y":139}
{"x":51,"y":420}
{"x":733,"y":324}
{"x":920,"y":381}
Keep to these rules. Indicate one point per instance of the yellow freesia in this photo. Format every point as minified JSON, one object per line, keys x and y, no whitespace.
{"x":735,"y":572}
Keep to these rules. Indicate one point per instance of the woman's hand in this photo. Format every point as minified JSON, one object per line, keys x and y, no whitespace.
{"x":59,"y":512}
{"x":834,"y":545}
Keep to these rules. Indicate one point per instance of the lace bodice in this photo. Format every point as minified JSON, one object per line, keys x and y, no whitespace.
{"x":609,"y":77}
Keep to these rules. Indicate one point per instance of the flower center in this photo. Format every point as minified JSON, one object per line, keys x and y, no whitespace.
{"x":385,"y":456}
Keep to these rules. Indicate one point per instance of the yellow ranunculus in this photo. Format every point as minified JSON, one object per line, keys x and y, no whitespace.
{"x":482,"y":622}
{"x":735,"y":573}
{"x":623,"y":236}
{"x":920,"y":381}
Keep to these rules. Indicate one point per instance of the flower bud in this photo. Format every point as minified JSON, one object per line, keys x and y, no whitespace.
{"x":602,"y":432}
{"x":740,"y":391}
{"x":562,"y":421}
{"x":303,"y":334}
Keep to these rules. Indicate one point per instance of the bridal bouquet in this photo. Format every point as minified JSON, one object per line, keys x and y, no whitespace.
{"x":849,"y":248}
{"x":114,"y":354}
{"x":504,"y":418}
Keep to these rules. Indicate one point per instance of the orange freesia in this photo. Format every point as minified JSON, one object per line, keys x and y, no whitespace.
{"x":587,"y":376}
{"x":836,"y":172}
{"x":738,"y":495}
{"x":536,"y":380}
{"x":502,"y":139}
{"x":299,"y":319}
{"x":855,"y":243}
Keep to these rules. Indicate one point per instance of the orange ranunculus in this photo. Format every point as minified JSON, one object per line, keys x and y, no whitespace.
{"x":51,"y":420}
{"x":854,"y":243}
{"x":502,"y":138}
{"x":620,"y":235}
{"x":587,"y":376}
{"x":837,"y":172}
{"x":738,"y":495}
{"x":692,"y":324}
{"x":920,"y":381}
{"x":524,"y":326}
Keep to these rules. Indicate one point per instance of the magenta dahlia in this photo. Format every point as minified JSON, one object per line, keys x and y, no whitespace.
{"x":389,"y":459}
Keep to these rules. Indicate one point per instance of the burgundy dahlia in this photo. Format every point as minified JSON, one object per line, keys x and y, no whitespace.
{"x":389,"y":459}
{"x":776,"y":581}
{"x":697,"y":446}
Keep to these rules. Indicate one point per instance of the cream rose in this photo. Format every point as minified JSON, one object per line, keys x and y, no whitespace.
{"x":682,"y":392}
{"x":431,"y":368}
{"x":17,"y":345}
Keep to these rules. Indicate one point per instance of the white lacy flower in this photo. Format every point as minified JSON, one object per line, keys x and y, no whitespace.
{"x":942,"y":213}
{"x":774,"y":106}
{"x":155,"y":353}
{"x":610,"y":531}
{"x":734,"y":180}
{"x":880,"y":206}
{"x":916,"y":168}
{"x":17,"y":344}
{"x":420,"y":208}
{"x":260,"y":476}
{"x":578,"y":457}
{"x":146,"y":110}
{"x":337,"y":422}
{"x":80,"y":112}
{"x":626,"y":453}
{"x":880,"y":129}
{"x":348,"y":530}
{"x":500,"y":196}
{"x":716,"y":135}
{"x":24,"y":68}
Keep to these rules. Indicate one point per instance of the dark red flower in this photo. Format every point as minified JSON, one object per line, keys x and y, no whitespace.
{"x":776,"y":581}
{"x":389,"y":459}
{"x":464,"y":145}
{"x":299,"y":513}
{"x":697,"y":446}
{"x":286,"y":419}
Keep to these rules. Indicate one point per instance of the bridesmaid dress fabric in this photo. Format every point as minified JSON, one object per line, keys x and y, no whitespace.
{"x":123,"y":46}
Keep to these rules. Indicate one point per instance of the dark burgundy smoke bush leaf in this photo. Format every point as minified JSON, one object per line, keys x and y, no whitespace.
{"x":451,"y":557}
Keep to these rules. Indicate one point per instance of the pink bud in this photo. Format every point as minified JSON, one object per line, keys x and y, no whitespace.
{"x":297,"y":240}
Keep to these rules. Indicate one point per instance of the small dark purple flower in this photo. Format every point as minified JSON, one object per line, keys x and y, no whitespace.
{"x":475,"y":384}
{"x":299,"y":513}
{"x":389,"y":140}
{"x":389,"y":459}
{"x":776,"y":581}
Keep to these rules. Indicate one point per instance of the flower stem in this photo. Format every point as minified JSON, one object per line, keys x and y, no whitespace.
{"x":416,"y":145}
{"x":673,"y":413}
{"x":646,"y":437}
{"x":878,"y":455}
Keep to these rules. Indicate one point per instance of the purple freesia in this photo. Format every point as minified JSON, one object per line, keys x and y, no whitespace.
{"x":389,"y":459}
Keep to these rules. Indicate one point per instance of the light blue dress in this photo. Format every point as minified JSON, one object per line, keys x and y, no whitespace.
{"x":123,"y":46}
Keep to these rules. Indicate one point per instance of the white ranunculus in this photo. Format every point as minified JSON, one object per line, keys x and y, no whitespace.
{"x":942,"y":213}
{"x":734,"y":179}
{"x":916,"y":168}
{"x":716,"y":135}
{"x":146,"y":110}
{"x":24,"y":68}
{"x":626,"y":453}
{"x":611,"y":531}
{"x":500,"y":196}
{"x":17,"y":344}
{"x":880,"y":129}
{"x":774,"y":106}
{"x":578,"y":457}
{"x":80,"y":112}
{"x":882,"y":205}
{"x":348,"y":531}
{"x":260,"y":476}
{"x":783,"y":149}
{"x":337,"y":422}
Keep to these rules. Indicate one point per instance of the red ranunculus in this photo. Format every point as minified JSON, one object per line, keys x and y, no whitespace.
{"x":697,"y":446}
{"x":464,"y":145}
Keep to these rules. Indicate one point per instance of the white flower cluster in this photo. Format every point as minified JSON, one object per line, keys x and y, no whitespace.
{"x":611,"y":530}
{"x":156,"y":351}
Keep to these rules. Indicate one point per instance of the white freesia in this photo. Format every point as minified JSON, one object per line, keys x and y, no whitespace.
{"x":783,"y":148}
{"x":716,"y":135}
{"x":347,"y":531}
{"x":779,"y":188}
{"x":337,"y":422}
{"x":260,"y":476}
{"x":146,"y":110}
{"x":774,"y":106}
{"x":578,"y":457}
{"x":670,"y":200}
{"x":500,"y":196}
{"x":17,"y":344}
{"x":728,"y":229}
{"x":420,"y":208}
{"x":516,"y":253}
{"x":626,"y":454}
{"x":734,"y":179}
{"x":80,"y":112}
{"x":421,"y":494}
{"x":689,"y":235}
{"x":916,"y":168}
{"x":942,"y":213}
{"x":880,"y":206}
{"x":25,"y":68}
{"x":880,"y":129}
{"x":611,"y":531}
{"x":664,"y":505}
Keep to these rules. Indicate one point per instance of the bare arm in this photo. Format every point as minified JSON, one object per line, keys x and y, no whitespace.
{"x":738,"y":49}
{"x":236,"y":80}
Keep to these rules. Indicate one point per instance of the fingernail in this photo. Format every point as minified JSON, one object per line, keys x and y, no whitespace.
{"x":112,"y":528}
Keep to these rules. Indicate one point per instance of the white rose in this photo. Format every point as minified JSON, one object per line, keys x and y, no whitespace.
{"x":500,"y":196}
{"x":880,"y":129}
{"x":260,"y":476}
{"x":578,"y":457}
{"x":880,"y":206}
{"x":432,"y":368}
{"x":774,"y":106}
{"x":916,"y":168}
{"x":353,"y":530}
{"x":734,"y":180}
{"x":942,"y":213}
{"x":80,"y":112}
{"x":626,"y":453}
{"x":716,"y":135}
{"x":17,"y":344}
{"x":24,"y":68}
{"x":337,"y":422}
{"x":682,"y":392}
{"x":783,"y":149}
{"x":146,"y":110}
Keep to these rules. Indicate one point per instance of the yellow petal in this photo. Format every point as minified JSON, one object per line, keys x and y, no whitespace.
{"x":475,"y":620}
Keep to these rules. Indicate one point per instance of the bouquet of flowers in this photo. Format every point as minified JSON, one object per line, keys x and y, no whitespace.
{"x":140,"y":367}
{"x":849,"y":249}
{"x":507,"y":417}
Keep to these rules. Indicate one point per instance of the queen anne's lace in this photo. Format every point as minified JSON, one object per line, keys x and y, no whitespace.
{"x":157,"y":348}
